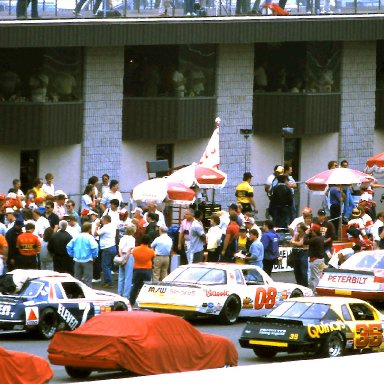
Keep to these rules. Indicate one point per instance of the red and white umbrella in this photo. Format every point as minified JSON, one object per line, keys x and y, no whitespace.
{"x":199,"y":176}
{"x":337,"y":176}
{"x":375,"y":164}
{"x":161,"y":189}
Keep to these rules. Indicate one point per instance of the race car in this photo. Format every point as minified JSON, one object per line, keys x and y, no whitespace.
{"x":224,"y":290}
{"x":47,"y":301}
{"x":360,"y":276}
{"x":324,"y":325}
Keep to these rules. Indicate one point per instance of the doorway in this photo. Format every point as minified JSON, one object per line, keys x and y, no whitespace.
{"x":29,"y":163}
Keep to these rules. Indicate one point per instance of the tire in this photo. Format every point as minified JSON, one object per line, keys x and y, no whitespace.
{"x":77,"y":373}
{"x":296,"y":293}
{"x":264,"y":352}
{"x":230,"y":311}
{"x":120,"y":306}
{"x":48,"y":323}
{"x":333,"y":345}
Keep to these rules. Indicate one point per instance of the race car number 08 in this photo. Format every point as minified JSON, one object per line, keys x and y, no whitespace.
{"x":265,"y":298}
{"x":368,"y":335}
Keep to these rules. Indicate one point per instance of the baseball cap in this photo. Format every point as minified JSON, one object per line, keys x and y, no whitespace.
{"x":84,"y":212}
{"x":60,"y":192}
{"x":233,"y":206}
{"x":280,"y":169}
{"x":321,"y":212}
{"x":356,"y":212}
{"x":137,"y":209}
{"x":123,"y":212}
{"x":315,"y":227}
{"x":249,"y":220}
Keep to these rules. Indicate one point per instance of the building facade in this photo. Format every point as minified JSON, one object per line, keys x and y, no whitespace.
{"x":82,"y":98}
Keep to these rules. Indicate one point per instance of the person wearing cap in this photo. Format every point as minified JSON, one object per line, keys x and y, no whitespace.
{"x":123,"y":223}
{"x":10,"y":218}
{"x":327,"y":231}
{"x":59,"y":204}
{"x":29,"y":246}
{"x":315,"y":242}
{"x":162,"y":246}
{"x":57,"y":246}
{"x":356,"y":230}
{"x":305,"y":213}
{"x":244,"y":193}
{"x":84,"y":216}
{"x":250,"y":223}
{"x":51,"y":216}
{"x":271,"y":180}
{"x":84,"y":249}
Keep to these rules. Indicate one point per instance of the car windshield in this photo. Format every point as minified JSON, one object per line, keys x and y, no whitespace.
{"x":31,"y":289}
{"x":197,"y":275}
{"x":299,"y":310}
{"x":367,"y":260}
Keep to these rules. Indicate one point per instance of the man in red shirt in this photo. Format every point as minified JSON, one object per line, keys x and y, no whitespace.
{"x":142,"y":267}
{"x":230,"y":240}
{"x":29,"y":246}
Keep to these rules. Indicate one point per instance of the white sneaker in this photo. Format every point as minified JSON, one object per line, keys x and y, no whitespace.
{"x":96,"y":280}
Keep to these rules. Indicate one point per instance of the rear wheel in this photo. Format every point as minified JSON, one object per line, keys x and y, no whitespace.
{"x":77,"y":373}
{"x":332,"y":346}
{"x":230,"y":311}
{"x":48,"y":323}
{"x":264,"y":352}
{"x":120,"y":306}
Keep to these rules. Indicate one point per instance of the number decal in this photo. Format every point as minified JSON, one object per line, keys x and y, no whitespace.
{"x":265,"y":298}
{"x":368,"y":335}
{"x":294,"y":336}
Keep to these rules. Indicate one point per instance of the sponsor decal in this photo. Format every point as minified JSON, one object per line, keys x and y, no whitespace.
{"x":182,"y":292}
{"x":265,"y":298}
{"x":272,"y":332}
{"x":247,"y":302}
{"x":213,"y":292}
{"x":347,"y":279}
{"x":157,"y":290}
{"x":31,"y":315}
{"x":67,"y":317}
{"x":316,"y":330}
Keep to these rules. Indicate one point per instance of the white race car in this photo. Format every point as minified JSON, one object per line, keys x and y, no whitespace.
{"x":227,"y":291}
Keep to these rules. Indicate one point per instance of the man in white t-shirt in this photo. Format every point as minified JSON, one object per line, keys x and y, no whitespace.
{"x":41,"y":223}
{"x":113,"y":193}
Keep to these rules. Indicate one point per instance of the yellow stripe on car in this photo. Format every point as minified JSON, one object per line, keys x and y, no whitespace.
{"x":268,"y":343}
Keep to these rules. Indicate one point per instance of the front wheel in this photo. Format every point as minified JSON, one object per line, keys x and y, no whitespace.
{"x":333,"y":345}
{"x":230,"y":311}
{"x":264,"y":352}
{"x":77,"y":373}
{"x":48,"y":323}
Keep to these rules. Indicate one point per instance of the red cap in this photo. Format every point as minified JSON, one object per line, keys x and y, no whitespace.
{"x":315,"y":227}
{"x":39,"y":200}
{"x":2,"y":197}
{"x":84,"y":212}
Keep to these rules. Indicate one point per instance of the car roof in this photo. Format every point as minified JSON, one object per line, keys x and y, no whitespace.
{"x":326,"y":300}
{"x":226,"y":266}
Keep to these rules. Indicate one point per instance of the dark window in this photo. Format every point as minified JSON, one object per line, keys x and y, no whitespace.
{"x":73,"y":290}
{"x":52,"y":74}
{"x":297,"y":67}
{"x":361,"y":312}
{"x":253,"y":277}
{"x":170,"y":71}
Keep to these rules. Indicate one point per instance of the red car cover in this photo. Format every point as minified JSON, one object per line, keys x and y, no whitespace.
{"x":23,"y":368}
{"x":144,"y":343}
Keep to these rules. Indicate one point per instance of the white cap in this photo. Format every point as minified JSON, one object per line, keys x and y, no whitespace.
{"x":137,"y":209}
{"x":92,"y":213}
{"x":60,"y":192}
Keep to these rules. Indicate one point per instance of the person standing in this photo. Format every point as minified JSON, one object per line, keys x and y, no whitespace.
{"x":162,"y":246}
{"x":198,"y":238}
{"x":336,"y":197}
{"x":21,"y":9}
{"x":11,"y":237}
{"x":315,"y":242}
{"x":112,"y":193}
{"x":327,"y":231}
{"x":57,"y":246}
{"x":29,"y":246}
{"x":300,"y":255}
{"x":142,"y":269}
{"x":291,"y":184}
{"x":126,"y":246}
{"x":214,"y":236}
{"x":377,"y":230}
{"x":256,"y":250}
{"x":230,"y":239}
{"x":185,"y":238}
{"x":270,"y":241}
{"x":244,"y":194}
{"x":3,"y":255}
{"x":51,"y":216}
{"x":84,"y":250}
{"x":107,"y":236}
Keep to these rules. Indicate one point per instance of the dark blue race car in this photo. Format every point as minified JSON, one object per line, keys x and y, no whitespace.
{"x":47,"y":301}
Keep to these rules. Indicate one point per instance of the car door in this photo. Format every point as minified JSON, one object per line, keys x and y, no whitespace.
{"x":366,"y":325}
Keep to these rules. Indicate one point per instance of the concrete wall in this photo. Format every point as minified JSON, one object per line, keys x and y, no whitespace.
{"x":358,"y":84}
{"x":234,"y":90}
{"x":103,"y":95}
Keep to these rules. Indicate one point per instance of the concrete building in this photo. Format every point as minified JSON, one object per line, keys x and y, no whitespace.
{"x":104,"y":124}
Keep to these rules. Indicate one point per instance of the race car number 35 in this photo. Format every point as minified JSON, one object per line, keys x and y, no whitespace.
{"x":265,"y":298}
{"x":368,"y":335}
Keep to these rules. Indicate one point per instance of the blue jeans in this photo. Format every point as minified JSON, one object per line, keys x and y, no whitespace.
{"x":300,"y":266}
{"x":107,"y":256}
{"x":124,"y":284}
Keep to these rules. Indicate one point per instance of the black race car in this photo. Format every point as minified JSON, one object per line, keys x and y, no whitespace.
{"x":324,"y":325}
{"x":47,"y":301}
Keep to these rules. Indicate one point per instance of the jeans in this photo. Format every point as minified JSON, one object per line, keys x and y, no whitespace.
{"x":124,"y":284}
{"x":22,"y":5}
{"x":300,"y":266}
{"x":84,"y":272}
{"x":107,"y":256}
{"x":139,"y":276}
{"x":317,"y":267}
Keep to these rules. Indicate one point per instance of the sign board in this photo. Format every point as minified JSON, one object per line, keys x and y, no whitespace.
{"x":281,"y":266}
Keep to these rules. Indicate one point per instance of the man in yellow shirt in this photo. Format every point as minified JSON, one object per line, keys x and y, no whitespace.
{"x":244,"y":194}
